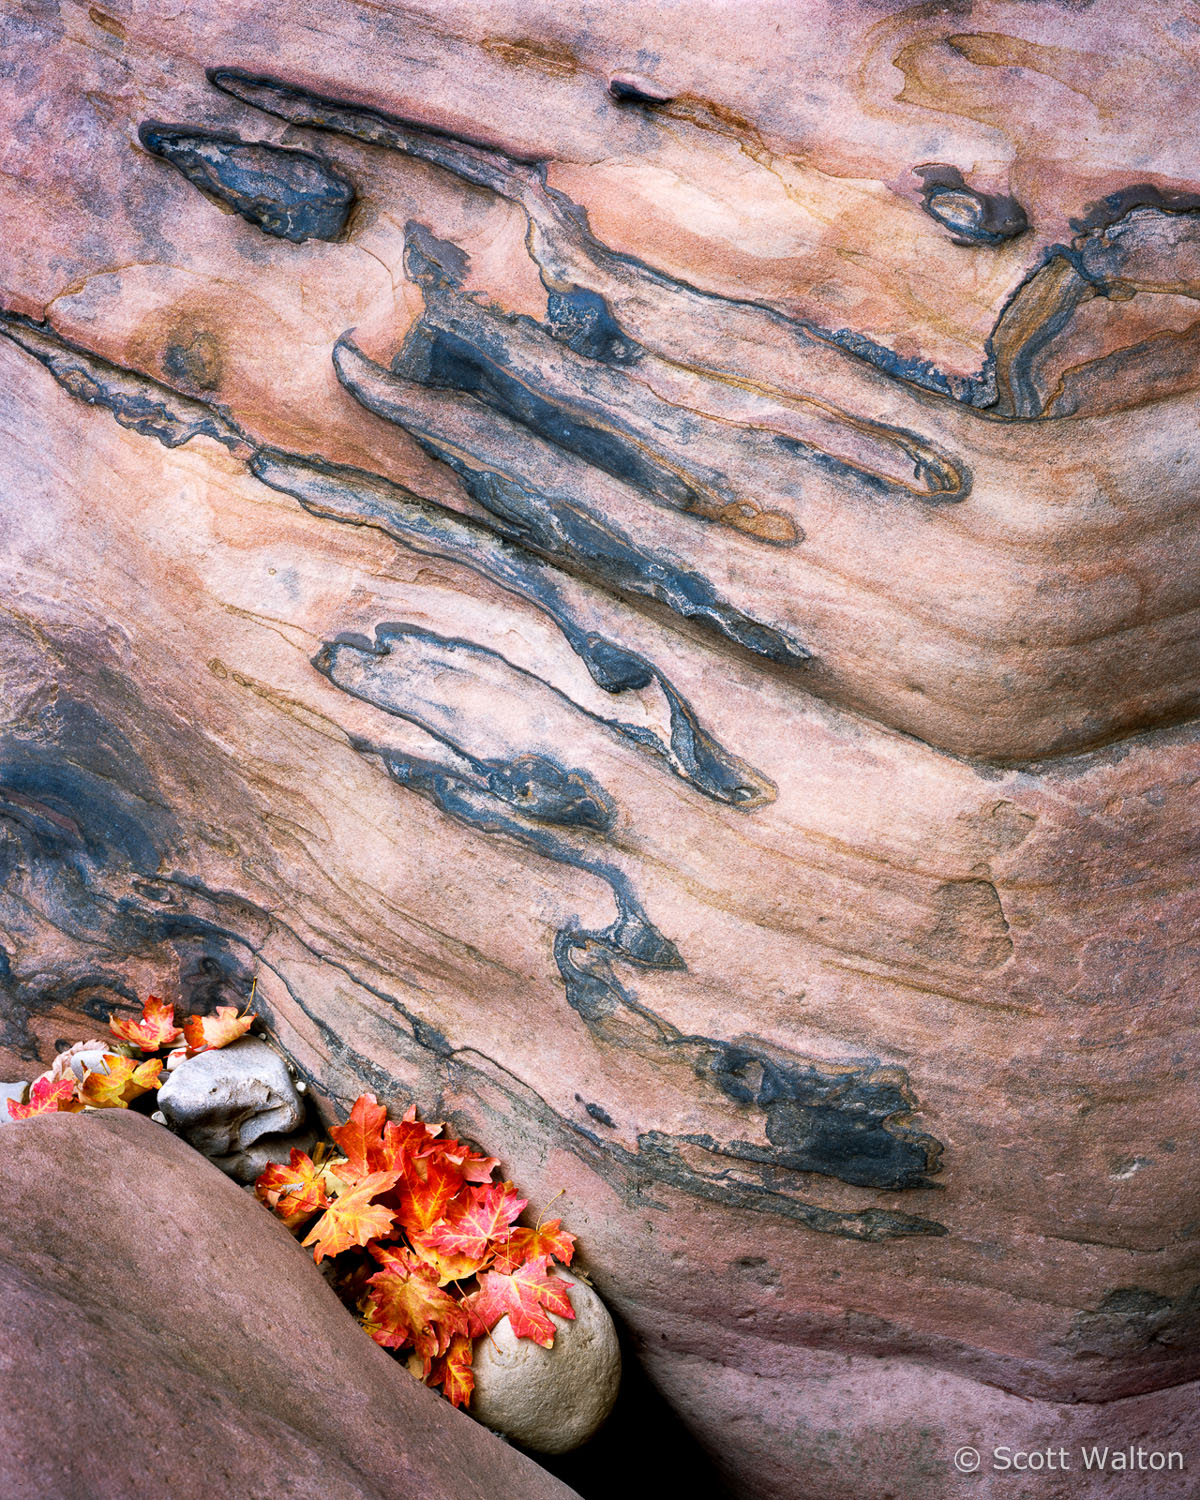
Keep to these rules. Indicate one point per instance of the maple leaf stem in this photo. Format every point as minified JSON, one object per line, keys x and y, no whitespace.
{"x":546,"y":1207}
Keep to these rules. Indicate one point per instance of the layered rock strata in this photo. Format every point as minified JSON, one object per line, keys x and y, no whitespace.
{"x":669,"y":638}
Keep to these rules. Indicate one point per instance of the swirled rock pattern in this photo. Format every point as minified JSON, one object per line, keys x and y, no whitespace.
{"x":672,"y":639}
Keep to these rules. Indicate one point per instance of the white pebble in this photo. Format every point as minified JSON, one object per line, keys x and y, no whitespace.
{"x":550,"y":1400}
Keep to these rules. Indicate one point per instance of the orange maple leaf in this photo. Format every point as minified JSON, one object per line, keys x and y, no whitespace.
{"x":406,"y":1306}
{"x":294,"y":1192}
{"x":484,"y":1217}
{"x":549,"y":1239}
{"x":408,"y":1140}
{"x":125,"y":1080}
{"x":48,"y":1097}
{"x":207,"y":1033}
{"x":453,"y":1373}
{"x":155,"y":1029}
{"x":353,"y":1218}
{"x":358,"y":1139}
{"x":428,"y":1186}
{"x":371,"y":1142}
{"x":526,"y":1297}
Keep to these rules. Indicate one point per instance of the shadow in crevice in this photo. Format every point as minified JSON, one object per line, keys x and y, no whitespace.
{"x":643,"y":1451}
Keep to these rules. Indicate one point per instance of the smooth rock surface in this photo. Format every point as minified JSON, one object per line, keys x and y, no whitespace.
{"x":163,"y":1336}
{"x":223,"y":1100}
{"x":550,"y":1400}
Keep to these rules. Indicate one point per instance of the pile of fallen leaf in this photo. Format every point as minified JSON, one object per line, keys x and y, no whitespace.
{"x":430,"y":1252}
{"x":127,"y":1077}
{"x":425,"y":1248}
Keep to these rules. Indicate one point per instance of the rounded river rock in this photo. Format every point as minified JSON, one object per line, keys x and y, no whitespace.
{"x":224,"y":1100}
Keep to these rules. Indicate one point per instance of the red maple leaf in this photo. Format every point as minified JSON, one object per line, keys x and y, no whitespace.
{"x":526,"y":1298}
{"x":474,"y":1168}
{"x":408,"y":1140}
{"x":445,"y":1267}
{"x":453,"y":1372}
{"x":406,"y":1306}
{"x":46,"y":1097}
{"x":549,"y":1239}
{"x":479,"y":1168}
{"x":155,"y":1029}
{"x":353,"y":1218}
{"x":485,"y":1216}
{"x":294,"y":1192}
{"x":206,"y":1033}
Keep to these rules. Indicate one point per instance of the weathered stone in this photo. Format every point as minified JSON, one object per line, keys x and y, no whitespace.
{"x":550,"y":1400}
{"x":163,"y":1335}
{"x":290,"y":194}
{"x":223,"y":1100}
{"x":250,"y":1163}
{"x":15,"y":1091}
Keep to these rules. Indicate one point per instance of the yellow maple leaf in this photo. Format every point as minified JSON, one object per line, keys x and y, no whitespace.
{"x":123,"y":1082}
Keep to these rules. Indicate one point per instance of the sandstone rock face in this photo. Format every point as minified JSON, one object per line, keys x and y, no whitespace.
{"x":165,"y":1336}
{"x":224,"y":1100}
{"x":550,"y":1400}
{"x":672,"y":640}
